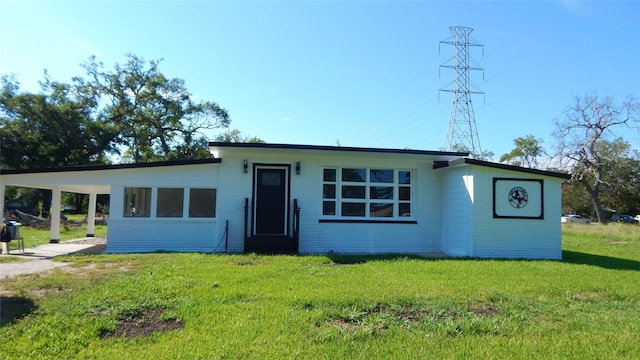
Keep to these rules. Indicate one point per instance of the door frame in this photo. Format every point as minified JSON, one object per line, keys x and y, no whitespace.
{"x":287,"y":195}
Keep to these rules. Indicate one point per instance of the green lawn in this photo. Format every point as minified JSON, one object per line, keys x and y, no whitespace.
{"x":275,"y":307}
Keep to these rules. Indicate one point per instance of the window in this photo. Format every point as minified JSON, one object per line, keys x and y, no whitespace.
{"x":137,"y":202}
{"x":202,"y":203}
{"x":170,"y":202}
{"x":366,"y":193}
{"x":404,"y":192}
{"x":329,"y":192}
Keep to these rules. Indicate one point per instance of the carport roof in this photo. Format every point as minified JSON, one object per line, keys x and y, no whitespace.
{"x":49,"y":178}
{"x":108,"y":167}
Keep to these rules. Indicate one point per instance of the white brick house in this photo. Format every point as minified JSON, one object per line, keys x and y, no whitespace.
{"x":319,"y":200}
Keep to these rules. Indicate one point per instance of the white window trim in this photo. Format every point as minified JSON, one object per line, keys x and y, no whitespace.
{"x":186,"y":203}
{"x":338,"y":200}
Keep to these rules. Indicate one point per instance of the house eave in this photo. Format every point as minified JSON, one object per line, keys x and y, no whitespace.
{"x":216,"y":147}
{"x":81,"y":168}
{"x":468,"y":161}
{"x":67,"y":178}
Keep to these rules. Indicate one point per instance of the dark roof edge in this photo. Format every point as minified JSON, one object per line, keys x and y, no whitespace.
{"x":110,"y":167}
{"x":336,"y":148}
{"x":457,"y":162}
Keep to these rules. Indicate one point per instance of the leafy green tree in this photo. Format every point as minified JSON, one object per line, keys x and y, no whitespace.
{"x":584,"y":141}
{"x":575,"y":199}
{"x":48,"y":129}
{"x":235,"y":136}
{"x":621,"y":179}
{"x":156,"y":117}
{"x":526,"y":153}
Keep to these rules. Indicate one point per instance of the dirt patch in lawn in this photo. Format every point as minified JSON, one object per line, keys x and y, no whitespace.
{"x":483,"y":309}
{"x":144,"y":324}
{"x":382,"y":315}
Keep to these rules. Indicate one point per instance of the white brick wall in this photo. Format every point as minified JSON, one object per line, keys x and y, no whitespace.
{"x":317,"y":237}
{"x":516,"y":238}
{"x":452,"y":207}
{"x":132,"y":234}
{"x":472,"y":231}
{"x":457,"y":225}
{"x":168,"y":234}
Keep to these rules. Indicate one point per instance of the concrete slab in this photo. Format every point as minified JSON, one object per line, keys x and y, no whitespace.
{"x":47,"y":251}
{"x":52,"y":250}
{"x":39,"y":257}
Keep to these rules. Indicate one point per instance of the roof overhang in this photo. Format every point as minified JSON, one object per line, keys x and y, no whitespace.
{"x":467,"y":161}
{"x":218,"y":149}
{"x":91,"y":179}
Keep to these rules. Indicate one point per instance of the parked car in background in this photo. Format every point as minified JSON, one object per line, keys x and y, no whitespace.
{"x":70,"y":209}
{"x":575,"y":219}
{"x":627,"y":219}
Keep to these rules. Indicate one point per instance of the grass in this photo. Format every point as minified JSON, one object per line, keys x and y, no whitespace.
{"x":274,"y":307}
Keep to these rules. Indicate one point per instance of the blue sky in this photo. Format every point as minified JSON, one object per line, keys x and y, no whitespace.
{"x":361,"y":73}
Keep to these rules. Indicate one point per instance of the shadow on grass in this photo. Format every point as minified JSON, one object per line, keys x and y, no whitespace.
{"x":606,"y":262}
{"x":14,"y":308}
{"x":571,"y":257}
{"x":361,"y":259}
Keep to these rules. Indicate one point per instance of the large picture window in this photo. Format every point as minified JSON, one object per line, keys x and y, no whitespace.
{"x":170,"y":202}
{"x":366,"y":193}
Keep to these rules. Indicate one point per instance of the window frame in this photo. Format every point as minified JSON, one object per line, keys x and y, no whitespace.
{"x":188,"y":209}
{"x":153,"y":204}
{"x":165,"y":210}
{"x":339,"y":202}
{"x":142,"y":203}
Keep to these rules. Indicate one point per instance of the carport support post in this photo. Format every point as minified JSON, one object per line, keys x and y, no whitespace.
{"x":54,"y":236}
{"x":91,"y":216}
{"x":2,"y":202}
{"x":5,"y":246}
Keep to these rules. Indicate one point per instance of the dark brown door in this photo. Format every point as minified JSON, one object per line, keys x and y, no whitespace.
{"x":271,"y":201}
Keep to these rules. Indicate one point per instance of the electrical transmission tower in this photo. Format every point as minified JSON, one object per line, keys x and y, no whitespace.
{"x":463,"y":133}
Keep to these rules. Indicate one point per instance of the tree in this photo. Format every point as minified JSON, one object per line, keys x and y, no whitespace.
{"x":133,"y":111}
{"x":621,"y":179}
{"x":620,"y":185}
{"x":526,"y":152}
{"x":52,"y":128}
{"x":235,"y":136}
{"x":575,"y":199}
{"x":155,"y":116}
{"x":584,"y":135}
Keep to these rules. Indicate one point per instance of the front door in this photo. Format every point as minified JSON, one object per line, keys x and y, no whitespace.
{"x":270,"y":208}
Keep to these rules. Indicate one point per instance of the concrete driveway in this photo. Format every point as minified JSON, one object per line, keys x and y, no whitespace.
{"x":39,"y":258}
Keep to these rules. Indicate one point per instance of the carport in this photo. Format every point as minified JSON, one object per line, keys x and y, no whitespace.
{"x":83,"y":180}
{"x":126,"y":232}
{"x":90,"y":180}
